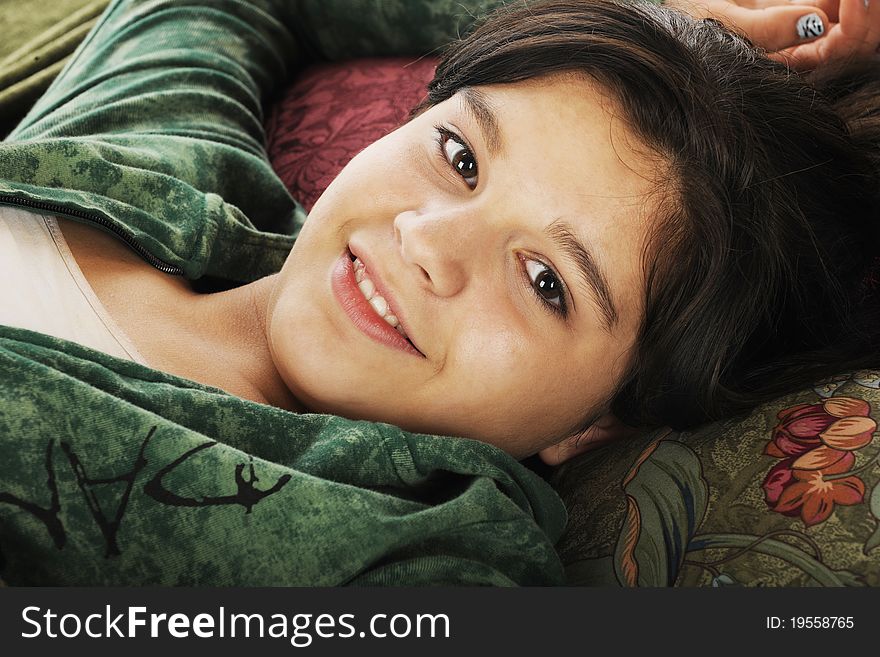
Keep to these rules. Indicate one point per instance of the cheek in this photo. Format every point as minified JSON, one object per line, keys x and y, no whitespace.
{"x":527,"y":375}
{"x":533,"y":385}
{"x":491,"y":354}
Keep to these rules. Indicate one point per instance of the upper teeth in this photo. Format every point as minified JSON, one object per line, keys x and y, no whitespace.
{"x":368,"y":289}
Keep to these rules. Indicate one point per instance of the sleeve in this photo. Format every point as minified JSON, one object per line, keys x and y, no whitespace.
{"x":200,"y":69}
{"x":143,"y":46}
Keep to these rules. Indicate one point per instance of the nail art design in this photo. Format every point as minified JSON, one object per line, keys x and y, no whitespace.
{"x":810,"y":26}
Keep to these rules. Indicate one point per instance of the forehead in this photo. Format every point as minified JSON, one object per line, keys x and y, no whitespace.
{"x":573,"y":120}
{"x":566,"y":152}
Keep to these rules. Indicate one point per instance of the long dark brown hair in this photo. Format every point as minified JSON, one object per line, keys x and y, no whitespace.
{"x":758,"y":267}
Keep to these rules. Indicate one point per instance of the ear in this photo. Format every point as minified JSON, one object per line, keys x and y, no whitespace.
{"x":603,"y":431}
{"x":565,"y":449}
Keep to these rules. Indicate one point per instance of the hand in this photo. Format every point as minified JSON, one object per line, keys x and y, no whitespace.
{"x":845,"y":29}
{"x":854,"y":34}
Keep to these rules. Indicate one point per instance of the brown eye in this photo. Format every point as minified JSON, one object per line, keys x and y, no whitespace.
{"x":460,"y":158}
{"x":547,"y":285}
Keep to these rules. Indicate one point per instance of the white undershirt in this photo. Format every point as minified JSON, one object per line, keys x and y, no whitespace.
{"x":43,"y":289}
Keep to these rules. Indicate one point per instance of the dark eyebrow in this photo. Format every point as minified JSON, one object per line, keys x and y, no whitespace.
{"x":481,"y":110}
{"x":589,"y":269}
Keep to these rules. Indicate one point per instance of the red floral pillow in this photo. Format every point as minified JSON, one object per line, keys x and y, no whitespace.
{"x":333,"y":111}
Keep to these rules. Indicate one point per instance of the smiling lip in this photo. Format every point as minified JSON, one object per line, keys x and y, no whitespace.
{"x":359,"y":310}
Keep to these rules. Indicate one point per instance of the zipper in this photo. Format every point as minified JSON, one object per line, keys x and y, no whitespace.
{"x":126,"y":237}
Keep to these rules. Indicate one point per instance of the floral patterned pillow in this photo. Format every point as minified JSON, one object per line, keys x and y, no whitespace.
{"x":788,"y":496}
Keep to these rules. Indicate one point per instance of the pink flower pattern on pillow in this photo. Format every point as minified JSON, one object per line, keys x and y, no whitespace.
{"x":817,"y":444}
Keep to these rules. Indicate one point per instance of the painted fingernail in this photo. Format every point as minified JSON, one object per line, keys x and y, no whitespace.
{"x":810,"y":26}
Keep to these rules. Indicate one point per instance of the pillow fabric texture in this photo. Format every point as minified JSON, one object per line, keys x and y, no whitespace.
{"x":787,"y":496}
{"x":333,"y":111}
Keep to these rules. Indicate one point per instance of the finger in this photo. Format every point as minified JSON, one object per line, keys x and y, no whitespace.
{"x":779,"y":27}
{"x":799,"y":58}
{"x":695,"y":9}
{"x":828,"y":6}
{"x":857,"y":36}
{"x":809,"y":56}
{"x":873,"y":19}
{"x":860,"y":26}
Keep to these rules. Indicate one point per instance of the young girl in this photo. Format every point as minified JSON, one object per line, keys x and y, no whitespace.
{"x":599,"y":208}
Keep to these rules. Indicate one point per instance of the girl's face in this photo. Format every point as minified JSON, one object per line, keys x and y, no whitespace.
{"x":501,"y":231}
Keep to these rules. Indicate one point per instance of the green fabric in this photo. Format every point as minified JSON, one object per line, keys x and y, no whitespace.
{"x":38,"y":37}
{"x":113,"y":473}
{"x":23,"y":21}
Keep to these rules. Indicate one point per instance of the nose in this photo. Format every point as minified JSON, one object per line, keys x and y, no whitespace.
{"x":444,"y":246}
